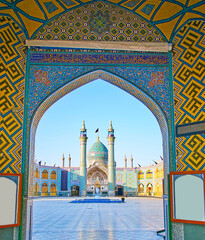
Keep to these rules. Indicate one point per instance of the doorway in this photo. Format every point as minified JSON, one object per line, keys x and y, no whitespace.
{"x":75,"y":190}
{"x":119,"y":191}
{"x":125,"y":82}
{"x":97,"y":190}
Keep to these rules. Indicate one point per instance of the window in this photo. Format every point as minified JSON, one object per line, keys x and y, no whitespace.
{"x":149,"y":174}
{"x":140,"y":175}
{"x":45,"y":174}
{"x":53,"y":175}
{"x":141,"y":188}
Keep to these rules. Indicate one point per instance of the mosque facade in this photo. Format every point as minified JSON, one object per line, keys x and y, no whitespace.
{"x":98,"y":174}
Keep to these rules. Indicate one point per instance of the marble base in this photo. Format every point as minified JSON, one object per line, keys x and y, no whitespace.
{"x":111,"y":193}
{"x":83,"y":193}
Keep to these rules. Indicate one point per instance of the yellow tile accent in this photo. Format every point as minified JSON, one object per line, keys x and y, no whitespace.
{"x":148,"y":17}
{"x":196,"y":144}
{"x":12,"y":14}
{"x":3,"y":5}
{"x":186,"y":17}
{"x":167,"y":27}
{"x":34,"y":11}
{"x":8,"y":170}
{"x":31,"y":26}
{"x":192,"y":2}
{"x":114,"y":1}
{"x":167,"y":10}
{"x":85,"y":1}
{"x":181,"y":1}
{"x":200,"y":9}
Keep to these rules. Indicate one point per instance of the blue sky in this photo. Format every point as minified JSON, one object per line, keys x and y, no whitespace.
{"x":136,"y":129}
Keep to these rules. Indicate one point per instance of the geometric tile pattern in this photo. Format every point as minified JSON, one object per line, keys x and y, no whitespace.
{"x":192,"y":148}
{"x":189,"y":94}
{"x":50,"y":7}
{"x":165,"y":16}
{"x":12,"y":69}
{"x":94,"y":22}
{"x":147,"y":9}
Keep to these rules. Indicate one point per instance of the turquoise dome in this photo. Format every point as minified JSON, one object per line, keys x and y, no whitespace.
{"x":97,"y":153}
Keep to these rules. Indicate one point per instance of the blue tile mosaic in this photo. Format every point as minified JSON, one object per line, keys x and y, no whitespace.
{"x":45,"y":80}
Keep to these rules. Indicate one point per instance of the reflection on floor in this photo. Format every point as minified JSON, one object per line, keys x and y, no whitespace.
{"x":138,"y":218}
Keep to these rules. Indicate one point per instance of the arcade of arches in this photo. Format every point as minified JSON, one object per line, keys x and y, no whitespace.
{"x":152,"y":49}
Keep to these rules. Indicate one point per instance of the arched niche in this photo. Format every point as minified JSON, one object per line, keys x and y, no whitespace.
{"x":116,"y":81}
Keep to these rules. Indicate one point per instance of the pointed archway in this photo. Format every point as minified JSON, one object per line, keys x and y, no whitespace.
{"x":154,"y":107}
{"x":34,"y":115}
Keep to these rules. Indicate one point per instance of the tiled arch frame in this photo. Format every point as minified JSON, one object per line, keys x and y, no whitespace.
{"x":116,"y":81}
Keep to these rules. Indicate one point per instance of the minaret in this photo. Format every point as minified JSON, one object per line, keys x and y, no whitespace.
{"x":83,"y":173}
{"x":125,"y":160}
{"x":69,"y":161}
{"x":131,"y":161}
{"x":111,"y":162}
{"x":63,"y":160}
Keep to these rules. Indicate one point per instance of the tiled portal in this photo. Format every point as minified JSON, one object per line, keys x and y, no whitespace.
{"x":138,"y":218}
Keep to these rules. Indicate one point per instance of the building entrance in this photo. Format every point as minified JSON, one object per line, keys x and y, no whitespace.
{"x":119,"y":191}
{"x":97,"y":191}
{"x":75,"y":190}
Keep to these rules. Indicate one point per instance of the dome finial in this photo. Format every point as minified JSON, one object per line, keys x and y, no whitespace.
{"x":98,"y":138}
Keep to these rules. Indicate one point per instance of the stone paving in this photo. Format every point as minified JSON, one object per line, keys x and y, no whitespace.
{"x":138,"y":218}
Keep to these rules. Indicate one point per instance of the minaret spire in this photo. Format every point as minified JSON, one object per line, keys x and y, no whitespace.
{"x":111,"y":161}
{"x":83,"y":171}
{"x":83,"y":126}
{"x":125,"y":160}
{"x":131,"y":161}
{"x":69,"y":160}
{"x":63,"y":160}
{"x":111,"y":128}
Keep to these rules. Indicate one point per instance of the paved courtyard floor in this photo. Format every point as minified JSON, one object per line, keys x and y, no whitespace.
{"x":137,"y":218}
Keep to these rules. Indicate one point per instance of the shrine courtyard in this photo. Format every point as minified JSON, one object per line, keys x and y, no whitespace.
{"x":137,"y":218}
